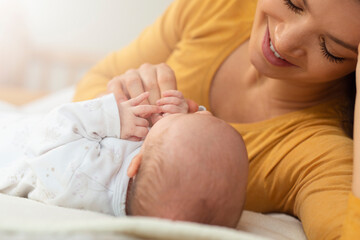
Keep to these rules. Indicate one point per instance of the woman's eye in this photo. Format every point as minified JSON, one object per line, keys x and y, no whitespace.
{"x":298,"y":10}
{"x":293,"y":7}
{"x":328,"y":55}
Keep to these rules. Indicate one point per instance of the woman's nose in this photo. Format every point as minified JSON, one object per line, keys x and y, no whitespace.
{"x":290,"y":39}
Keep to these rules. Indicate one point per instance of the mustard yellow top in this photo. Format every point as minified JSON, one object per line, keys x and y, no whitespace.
{"x":300,"y":163}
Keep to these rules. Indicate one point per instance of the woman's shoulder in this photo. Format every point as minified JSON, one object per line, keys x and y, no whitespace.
{"x":320,"y":130}
{"x":216,"y":5}
{"x":197,"y":12}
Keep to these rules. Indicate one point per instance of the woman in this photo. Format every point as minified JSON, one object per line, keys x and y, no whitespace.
{"x":284,"y":88}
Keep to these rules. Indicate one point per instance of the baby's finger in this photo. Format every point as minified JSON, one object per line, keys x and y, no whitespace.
{"x":169,"y":100}
{"x":172,"y":109}
{"x":145,"y":111}
{"x":173,"y":93}
{"x":193,"y":106}
{"x":141,"y":132}
{"x":135,"y":139}
{"x":139,"y":99}
{"x":142,"y":122}
{"x":155,"y":117}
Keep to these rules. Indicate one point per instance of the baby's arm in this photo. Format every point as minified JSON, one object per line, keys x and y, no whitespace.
{"x":75,"y":155}
{"x":92,"y":120}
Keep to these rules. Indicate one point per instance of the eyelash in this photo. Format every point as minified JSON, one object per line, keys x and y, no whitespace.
{"x":328,"y":55}
{"x":325,"y":52}
{"x":292,"y":7}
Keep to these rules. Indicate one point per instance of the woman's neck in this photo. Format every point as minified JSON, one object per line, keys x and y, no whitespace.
{"x":282,"y":96}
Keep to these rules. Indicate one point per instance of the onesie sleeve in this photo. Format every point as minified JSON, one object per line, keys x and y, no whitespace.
{"x":154,"y":45}
{"x":75,"y":156}
{"x":92,"y":120}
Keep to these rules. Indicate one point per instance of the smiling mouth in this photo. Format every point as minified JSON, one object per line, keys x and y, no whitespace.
{"x":270,"y":53}
{"x":272,"y":48}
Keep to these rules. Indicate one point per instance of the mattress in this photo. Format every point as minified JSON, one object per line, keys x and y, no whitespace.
{"x":21,"y":218}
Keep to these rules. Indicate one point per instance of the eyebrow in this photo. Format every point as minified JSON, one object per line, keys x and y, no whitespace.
{"x":344,"y":44}
{"x":338,"y":41}
{"x":305,"y":4}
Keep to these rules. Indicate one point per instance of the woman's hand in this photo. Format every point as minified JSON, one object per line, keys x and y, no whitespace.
{"x":356,"y":173}
{"x":154,"y":79}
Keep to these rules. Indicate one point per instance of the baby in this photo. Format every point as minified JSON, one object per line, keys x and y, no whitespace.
{"x":191,"y":167}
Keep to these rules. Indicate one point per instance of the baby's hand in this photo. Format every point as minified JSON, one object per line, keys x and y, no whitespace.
{"x":133,"y":123}
{"x":173,"y":101}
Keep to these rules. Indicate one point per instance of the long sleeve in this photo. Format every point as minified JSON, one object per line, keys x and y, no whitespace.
{"x":351,"y":227}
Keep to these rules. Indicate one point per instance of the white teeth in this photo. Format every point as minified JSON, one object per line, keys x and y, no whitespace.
{"x":274,"y":51}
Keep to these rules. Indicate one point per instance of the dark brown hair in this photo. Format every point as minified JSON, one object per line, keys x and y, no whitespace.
{"x":348,"y":119}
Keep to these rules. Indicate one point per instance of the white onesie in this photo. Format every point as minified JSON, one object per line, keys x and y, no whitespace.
{"x":72,"y":157}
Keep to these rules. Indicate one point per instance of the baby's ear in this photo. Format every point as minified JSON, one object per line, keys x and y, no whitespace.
{"x":134,"y":165}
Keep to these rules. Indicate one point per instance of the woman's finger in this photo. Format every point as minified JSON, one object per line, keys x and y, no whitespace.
{"x":166,"y":78}
{"x":133,"y":83}
{"x":150,"y":82}
{"x":115,"y":86}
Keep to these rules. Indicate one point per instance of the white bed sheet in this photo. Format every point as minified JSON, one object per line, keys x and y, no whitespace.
{"x":22,"y":218}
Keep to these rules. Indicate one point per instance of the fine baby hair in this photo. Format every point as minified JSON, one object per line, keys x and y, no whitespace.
{"x":193,"y":168}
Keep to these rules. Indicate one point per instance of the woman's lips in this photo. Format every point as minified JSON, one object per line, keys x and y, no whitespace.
{"x":270,"y":55}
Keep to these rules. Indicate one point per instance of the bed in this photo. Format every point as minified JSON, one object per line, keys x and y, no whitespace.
{"x":21,"y":218}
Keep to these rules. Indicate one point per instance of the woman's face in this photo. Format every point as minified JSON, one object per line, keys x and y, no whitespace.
{"x":305,"y":40}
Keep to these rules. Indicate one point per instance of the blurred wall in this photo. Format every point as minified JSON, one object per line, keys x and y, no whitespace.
{"x":41,"y":40}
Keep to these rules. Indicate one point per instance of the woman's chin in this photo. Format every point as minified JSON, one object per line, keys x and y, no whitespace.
{"x":262,"y":67}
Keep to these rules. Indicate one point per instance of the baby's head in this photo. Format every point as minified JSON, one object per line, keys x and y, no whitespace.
{"x":193,"y":168}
